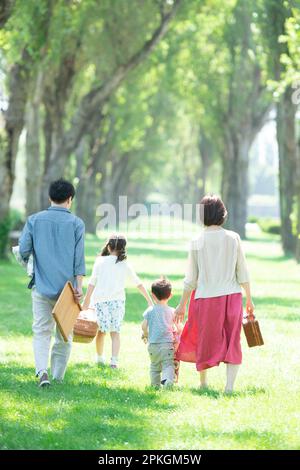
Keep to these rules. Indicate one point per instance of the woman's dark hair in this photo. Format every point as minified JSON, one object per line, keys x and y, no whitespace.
{"x":215,"y":212}
{"x":161,"y":288}
{"x":61,"y":190}
{"x":116,"y":243}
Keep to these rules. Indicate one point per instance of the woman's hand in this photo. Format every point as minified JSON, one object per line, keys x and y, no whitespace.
{"x":179,"y":313}
{"x":250,"y":309}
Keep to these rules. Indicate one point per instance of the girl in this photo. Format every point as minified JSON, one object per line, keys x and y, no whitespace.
{"x":106,"y":294}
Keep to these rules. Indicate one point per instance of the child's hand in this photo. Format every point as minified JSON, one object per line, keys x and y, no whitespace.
{"x":85,"y":305}
{"x":145,"y":338}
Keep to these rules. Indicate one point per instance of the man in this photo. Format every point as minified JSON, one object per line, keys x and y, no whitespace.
{"x":55,"y":237}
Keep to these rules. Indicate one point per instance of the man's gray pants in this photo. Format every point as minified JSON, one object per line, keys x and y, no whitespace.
{"x":43,"y":327}
{"x":162,"y":363}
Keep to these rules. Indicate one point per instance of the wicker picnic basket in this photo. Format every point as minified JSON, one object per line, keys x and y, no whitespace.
{"x":86,"y":327}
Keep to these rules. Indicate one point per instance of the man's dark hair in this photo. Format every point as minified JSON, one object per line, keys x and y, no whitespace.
{"x":161,"y":288}
{"x":61,"y":190}
{"x":215,"y":212}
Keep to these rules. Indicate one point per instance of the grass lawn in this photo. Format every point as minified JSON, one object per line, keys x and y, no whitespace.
{"x":99,"y":408}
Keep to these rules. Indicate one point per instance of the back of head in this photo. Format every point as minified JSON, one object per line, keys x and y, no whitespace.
{"x":61,"y":190}
{"x":212,"y":210}
{"x":161,"y":288}
{"x":115,"y":243}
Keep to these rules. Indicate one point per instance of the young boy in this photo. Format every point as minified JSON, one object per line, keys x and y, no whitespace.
{"x":159,"y":327}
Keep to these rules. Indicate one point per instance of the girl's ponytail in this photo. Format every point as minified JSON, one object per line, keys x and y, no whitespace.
{"x":121,"y":254}
{"x":105,"y":250}
{"x":115,"y":243}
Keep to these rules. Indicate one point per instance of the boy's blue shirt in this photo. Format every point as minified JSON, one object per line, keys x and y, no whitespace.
{"x":160,"y":319}
{"x":55,"y":237}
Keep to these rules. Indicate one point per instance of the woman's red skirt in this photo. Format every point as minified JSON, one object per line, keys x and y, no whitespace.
{"x":212,"y":333}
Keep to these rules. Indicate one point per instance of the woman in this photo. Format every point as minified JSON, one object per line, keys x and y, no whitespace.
{"x":216,"y":272}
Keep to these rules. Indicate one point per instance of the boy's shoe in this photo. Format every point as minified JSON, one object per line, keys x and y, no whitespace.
{"x":113,"y":366}
{"x":166,"y":383}
{"x":44,"y":379}
{"x":58,"y":381}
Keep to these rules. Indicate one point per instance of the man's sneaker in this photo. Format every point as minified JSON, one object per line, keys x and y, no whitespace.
{"x":113,"y":366}
{"x":44,"y":380}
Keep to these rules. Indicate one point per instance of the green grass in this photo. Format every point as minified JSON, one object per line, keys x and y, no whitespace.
{"x":99,"y":408}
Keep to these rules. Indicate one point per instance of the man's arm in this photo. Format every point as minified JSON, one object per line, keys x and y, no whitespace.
{"x":79,"y":261}
{"x":25,"y":241}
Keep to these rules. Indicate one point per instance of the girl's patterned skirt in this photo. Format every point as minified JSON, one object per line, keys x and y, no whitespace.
{"x":110,"y":315}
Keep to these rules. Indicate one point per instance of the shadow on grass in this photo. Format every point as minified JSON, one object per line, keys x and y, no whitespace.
{"x":158,"y":253}
{"x":271,"y":259}
{"x":215,"y":394}
{"x":169,"y":275}
{"x":264,"y":239}
{"x":90,"y":410}
{"x":254,"y":439}
{"x":278,"y":302}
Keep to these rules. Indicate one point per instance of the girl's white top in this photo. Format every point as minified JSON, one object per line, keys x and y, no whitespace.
{"x":109,"y":279}
{"x":216,"y":264}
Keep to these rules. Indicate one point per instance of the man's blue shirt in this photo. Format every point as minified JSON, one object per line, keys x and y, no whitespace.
{"x":55,"y":237}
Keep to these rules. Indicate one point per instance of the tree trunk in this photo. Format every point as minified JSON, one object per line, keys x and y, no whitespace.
{"x":205,"y":155}
{"x":297,"y":189}
{"x":80,"y":172}
{"x":6,"y":7}
{"x":287,"y":150}
{"x":13,"y":119}
{"x":298,"y":208}
{"x":235,"y":182}
{"x":96,"y":97}
{"x":86,"y":191}
{"x":33,"y":156}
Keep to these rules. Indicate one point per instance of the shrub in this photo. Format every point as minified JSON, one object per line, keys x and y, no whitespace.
{"x":253,"y":219}
{"x":17,"y":220}
{"x":14,"y":221}
{"x":5,"y":225}
{"x":270,"y":225}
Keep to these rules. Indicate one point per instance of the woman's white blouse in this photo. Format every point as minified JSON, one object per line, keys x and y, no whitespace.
{"x":216,"y":264}
{"x":110,"y":278}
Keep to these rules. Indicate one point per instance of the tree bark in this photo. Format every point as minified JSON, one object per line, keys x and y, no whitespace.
{"x":88,"y":189}
{"x":13,"y":119}
{"x":298,"y":204}
{"x":287,"y":150}
{"x":6,"y":7}
{"x":247,"y":110}
{"x":55,"y":97}
{"x":97,"y":97}
{"x":33,"y":156}
{"x":235,"y":181}
{"x":205,"y":149}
